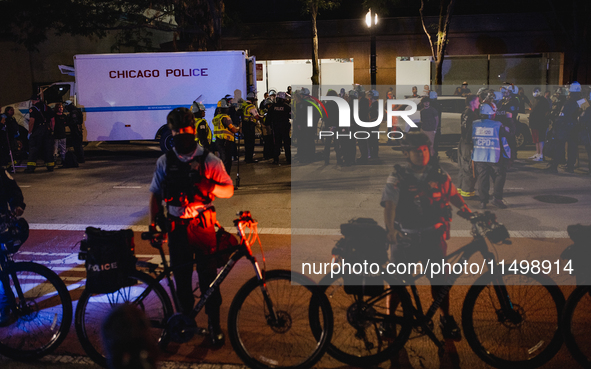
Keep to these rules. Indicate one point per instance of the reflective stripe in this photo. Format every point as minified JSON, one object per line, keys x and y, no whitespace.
{"x":31,"y":164}
{"x":246,"y":111}
{"x":485,"y":137}
{"x":219,"y":130}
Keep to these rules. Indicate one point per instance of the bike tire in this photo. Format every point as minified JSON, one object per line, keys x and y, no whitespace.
{"x":292,"y":345}
{"x":93,"y":308}
{"x":530,"y":341}
{"x":41,"y":326}
{"x":347,"y":344}
{"x":576,"y":325}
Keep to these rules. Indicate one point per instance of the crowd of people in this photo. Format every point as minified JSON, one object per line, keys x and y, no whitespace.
{"x":46,"y":136}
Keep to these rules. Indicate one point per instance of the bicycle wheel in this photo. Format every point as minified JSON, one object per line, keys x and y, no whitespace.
{"x":576,"y":325}
{"x":525,"y":337}
{"x":93,"y":308}
{"x":42,"y":318}
{"x":359,"y":336}
{"x":289,"y":342}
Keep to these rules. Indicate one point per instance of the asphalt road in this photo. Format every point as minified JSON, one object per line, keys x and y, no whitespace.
{"x":111,"y":191}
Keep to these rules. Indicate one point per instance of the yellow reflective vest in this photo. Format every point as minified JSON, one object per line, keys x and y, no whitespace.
{"x":219,"y":131}
{"x":201,"y":121}
{"x":246,"y":107}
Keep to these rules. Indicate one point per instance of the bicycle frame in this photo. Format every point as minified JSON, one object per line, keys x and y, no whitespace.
{"x":423,"y":320}
{"x":243,"y":250}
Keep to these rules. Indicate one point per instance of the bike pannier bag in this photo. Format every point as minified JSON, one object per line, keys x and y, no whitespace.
{"x":109,"y":259}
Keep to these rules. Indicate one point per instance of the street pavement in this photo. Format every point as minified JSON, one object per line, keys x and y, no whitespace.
{"x":111,"y":191}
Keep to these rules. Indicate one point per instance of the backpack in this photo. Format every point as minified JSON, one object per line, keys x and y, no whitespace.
{"x":364,"y":241}
{"x":109,"y":259}
{"x":70,"y":160}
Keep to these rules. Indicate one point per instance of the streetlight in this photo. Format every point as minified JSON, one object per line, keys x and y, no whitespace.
{"x":372,"y":58}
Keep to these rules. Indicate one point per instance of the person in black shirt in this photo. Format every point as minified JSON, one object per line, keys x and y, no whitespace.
{"x":331,"y":123}
{"x":8,"y":133}
{"x":40,"y":135}
{"x":466,"y":175}
{"x":278,"y":117}
{"x":59,"y":123}
{"x":74,"y":122}
{"x":364,"y":117}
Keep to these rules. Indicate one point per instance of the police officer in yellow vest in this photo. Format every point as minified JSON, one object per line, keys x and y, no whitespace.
{"x":203,"y":136}
{"x":250,"y":116}
{"x":224,"y":130}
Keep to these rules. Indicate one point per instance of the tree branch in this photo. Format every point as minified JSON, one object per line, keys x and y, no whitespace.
{"x":425,"y":29}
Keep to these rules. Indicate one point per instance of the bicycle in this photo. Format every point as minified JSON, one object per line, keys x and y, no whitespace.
{"x":576,"y":322}
{"x":366,"y":333}
{"x":39,"y":302}
{"x":268,"y":320}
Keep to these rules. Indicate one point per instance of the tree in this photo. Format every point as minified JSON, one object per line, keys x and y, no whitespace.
{"x":195,"y":24}
{"x":313,"y":7}
{"x":438,"y":46}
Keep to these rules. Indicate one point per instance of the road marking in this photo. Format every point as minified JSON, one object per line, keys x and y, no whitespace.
{"x":24,"y":186}
{"x":127,"y":186}
{"x":280,"y":231}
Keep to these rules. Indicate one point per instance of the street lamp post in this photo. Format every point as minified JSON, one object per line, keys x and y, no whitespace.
{"x":372,"y":20}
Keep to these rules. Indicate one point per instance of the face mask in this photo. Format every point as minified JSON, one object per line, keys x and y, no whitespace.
{"x":184,"y":143}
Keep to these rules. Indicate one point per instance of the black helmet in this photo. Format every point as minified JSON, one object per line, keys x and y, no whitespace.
{"x":413,"y":140}
{"x":180,"y":118}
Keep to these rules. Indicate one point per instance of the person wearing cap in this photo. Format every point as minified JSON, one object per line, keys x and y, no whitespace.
{"x":203,"y":136}
{"x":224,"y":132}
{"x":278,"y":118}
{"x":490,"y":154}
{"x":40,"y":135}
{"x":429,"y":121}
{"x":417,"y":214}
{"x":251,"y":118}
{"x":373,"y":144}
{"x":188,"y":178}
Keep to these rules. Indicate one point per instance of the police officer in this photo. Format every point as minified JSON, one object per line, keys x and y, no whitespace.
{"x":266,"y":126}
{"x":417,"y":213}
{"x":11,"y":201}
{"x":305,"y":135}
{"x":331,"y":123}
{"x":565,"y":133}
{"x":467,"y":180}
{"x":278,"y":117}
{"x":40,"y":135}
{"x":189,"y":178}
{"x":224,"y":131}
{"x":201,"y":125}
{"x":507,"y":111}
{"x":74,"y":122}
{"x":373,"y":143}
{"x":8,"y":134}
{"x":490,"y":154}
{"x":251,"y":117}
